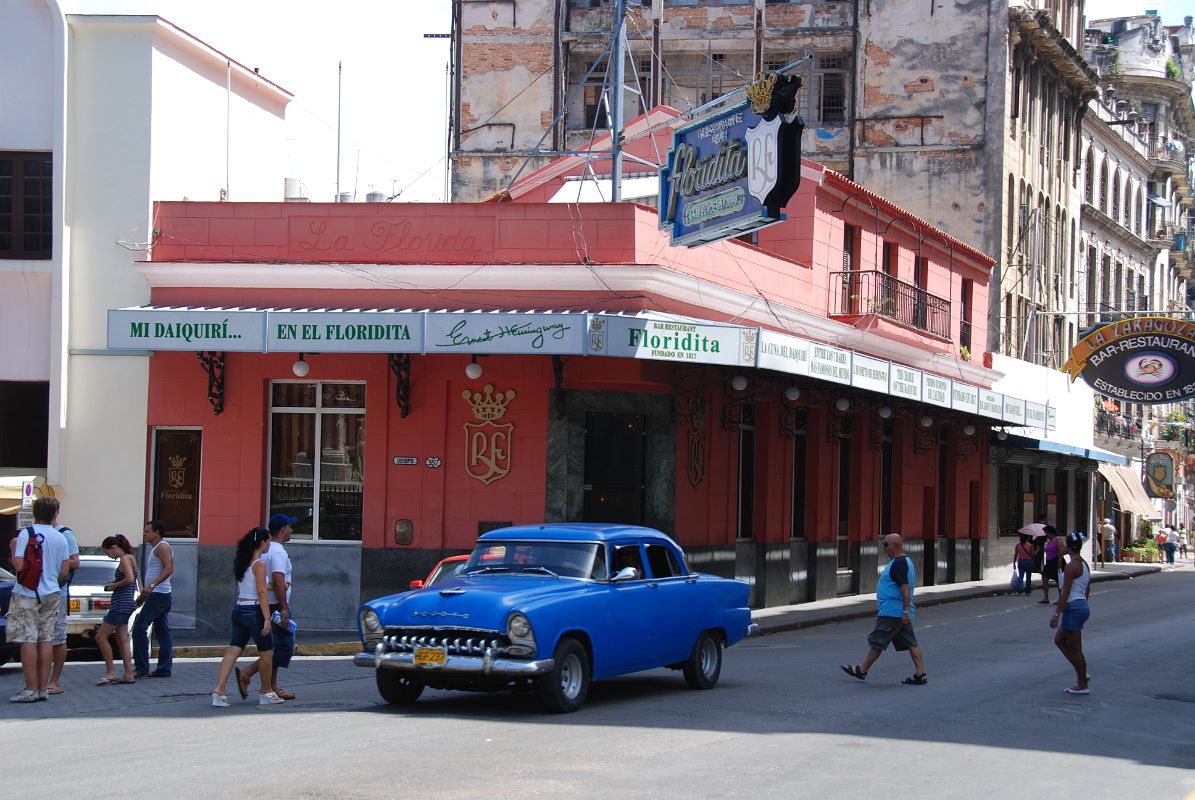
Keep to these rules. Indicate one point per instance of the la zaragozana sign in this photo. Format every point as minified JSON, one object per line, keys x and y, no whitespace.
{"x":732,"y":172}
{"x":1141,"y":360}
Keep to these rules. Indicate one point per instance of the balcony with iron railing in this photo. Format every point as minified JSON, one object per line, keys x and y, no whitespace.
{"x":863,"y":293}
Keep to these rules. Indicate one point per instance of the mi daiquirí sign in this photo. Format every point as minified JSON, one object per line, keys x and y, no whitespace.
{"x":1141,"y":360}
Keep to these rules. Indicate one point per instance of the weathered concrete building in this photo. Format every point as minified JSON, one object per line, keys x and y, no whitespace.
{"x":1137,"y":220}
{"x":966,"y":113}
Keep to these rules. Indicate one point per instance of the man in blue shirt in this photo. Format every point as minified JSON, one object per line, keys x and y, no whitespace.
{"x":894,"y":614}
{"x":33,"y":613}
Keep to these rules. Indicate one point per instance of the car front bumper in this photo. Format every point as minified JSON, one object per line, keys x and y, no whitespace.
{"x":461,"y":665}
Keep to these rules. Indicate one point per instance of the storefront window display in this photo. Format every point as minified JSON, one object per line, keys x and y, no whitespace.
{"x":332,"y":415}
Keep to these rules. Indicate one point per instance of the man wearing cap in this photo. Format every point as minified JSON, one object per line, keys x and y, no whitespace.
{"x":1108,"y":535}
{"x":278,"y":571}
{"x":155,"y":601}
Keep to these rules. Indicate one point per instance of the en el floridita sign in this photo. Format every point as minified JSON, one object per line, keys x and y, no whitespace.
{"x":1141,"y":360}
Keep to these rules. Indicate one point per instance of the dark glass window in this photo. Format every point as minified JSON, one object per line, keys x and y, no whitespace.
{"x":24,"y":423}
{"x":746,"y":510}
{"x":844,"y":495}
{"x":800,"y":473}
{"x":26,"y":205}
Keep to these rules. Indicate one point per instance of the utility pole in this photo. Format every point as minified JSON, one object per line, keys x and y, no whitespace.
{"x":616,"y":93}
{"x":339,"y":69}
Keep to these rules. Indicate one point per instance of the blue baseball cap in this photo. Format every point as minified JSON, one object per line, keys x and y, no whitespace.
{"x":280,"y":521}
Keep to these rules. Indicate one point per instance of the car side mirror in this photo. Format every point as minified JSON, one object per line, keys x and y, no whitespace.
{"x":625,"y":574}
{"x":416,"y":584}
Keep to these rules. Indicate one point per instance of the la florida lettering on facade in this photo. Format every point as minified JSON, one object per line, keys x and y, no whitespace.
{"x":334,"y":332}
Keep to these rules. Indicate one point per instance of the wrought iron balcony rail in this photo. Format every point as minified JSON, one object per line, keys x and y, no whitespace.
{"x":855,"y":293}
{"x":1117,"y":425}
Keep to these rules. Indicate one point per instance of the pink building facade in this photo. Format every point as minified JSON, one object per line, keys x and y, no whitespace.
{"x":402,"y":377}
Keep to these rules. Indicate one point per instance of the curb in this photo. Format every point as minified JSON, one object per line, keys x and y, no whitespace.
{"x":797,"y":619}
{"x":811,"y":618}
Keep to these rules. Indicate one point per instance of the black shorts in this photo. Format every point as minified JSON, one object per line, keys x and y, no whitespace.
{"x":1050,"y":571}
{"x":892,"y":630}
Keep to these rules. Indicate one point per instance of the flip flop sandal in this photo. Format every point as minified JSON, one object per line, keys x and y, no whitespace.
{"x":854,"y":671}
{"x":55,"y":690}
{"x":107,"y":681}
{"x":916,"y":680}
{"x":242,"y":686}
{"x":126,"y":683}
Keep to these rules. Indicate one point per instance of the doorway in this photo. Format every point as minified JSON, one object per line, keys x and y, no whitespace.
{"x":615,"y":468}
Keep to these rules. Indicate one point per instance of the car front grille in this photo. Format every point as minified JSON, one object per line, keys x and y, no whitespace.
{"x":455,"y":642}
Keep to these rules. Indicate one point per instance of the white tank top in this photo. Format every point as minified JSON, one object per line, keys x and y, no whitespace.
{"x":247,"y":586}
{"x":153,"y":568}
{"x":1079,"y":586}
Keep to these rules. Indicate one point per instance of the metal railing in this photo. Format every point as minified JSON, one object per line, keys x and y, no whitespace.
{"x":1117,"y":425}
{"x":866,"y":292}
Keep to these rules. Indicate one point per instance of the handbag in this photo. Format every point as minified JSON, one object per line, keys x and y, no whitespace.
{"x":1015,"y":584}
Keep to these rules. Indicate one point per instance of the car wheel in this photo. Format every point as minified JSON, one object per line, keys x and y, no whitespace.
{"x":564,"y":688}
{"x":397,"y":688}
{"x":705,"y":663}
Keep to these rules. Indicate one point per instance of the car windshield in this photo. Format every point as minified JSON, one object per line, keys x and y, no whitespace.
{"x":443,"y":571}
{"x":94,"y":573}
{"x":563,"y":559}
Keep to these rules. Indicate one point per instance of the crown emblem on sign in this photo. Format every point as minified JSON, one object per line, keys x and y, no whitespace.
{"x":488,"y":406}
{"x":759,"y":91}
{"x":178,"y":461}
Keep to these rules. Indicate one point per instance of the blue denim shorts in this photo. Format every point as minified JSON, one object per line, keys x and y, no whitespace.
{"x":117,"y":618}
{"x":284,"y":644}
{"x":247,"y":623}
{"x":1074,"y":615}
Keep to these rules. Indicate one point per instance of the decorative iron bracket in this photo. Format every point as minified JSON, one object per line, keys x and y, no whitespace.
{"x":735,"y":403}
{"x":400,"y":365}
{"x":558,"y":371}
{"x":839,"y":426}
{"x":878,"y":433}
{"x":794,"y":418}
{"x":213,"y":365}
{"x":924,"y":439}
{"x":967,"y":445}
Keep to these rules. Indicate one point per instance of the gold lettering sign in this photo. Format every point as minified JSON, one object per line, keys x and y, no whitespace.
{"x":487,"y":443}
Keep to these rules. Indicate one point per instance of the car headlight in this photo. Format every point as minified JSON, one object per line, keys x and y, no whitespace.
{"x":519,"y":627}
{"x":370,"y":622}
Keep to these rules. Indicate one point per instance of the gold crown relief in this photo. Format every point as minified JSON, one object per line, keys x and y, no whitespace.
{"x":178,"y":461}
{"x":488,"y":406}
{"x":759,"y":91}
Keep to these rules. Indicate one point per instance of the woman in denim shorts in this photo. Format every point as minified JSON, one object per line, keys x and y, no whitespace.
{"x":124,"y":589}
{"x":250,"y":618}
{"x":1072,"y":612}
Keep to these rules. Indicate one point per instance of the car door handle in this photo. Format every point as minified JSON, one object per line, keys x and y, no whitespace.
{"x":653,"y":585}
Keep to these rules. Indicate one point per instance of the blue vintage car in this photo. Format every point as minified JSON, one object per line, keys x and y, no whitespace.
{"x":550,"y":608}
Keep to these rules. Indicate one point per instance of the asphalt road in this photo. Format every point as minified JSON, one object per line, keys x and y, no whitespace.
{"x":783,"y":722}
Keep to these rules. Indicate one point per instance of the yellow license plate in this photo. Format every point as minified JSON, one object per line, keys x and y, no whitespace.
{"x":430,"y":657}
{"x":74,"y":606}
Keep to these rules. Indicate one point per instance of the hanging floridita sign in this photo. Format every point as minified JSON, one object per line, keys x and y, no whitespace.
{"x":733,"y":172}
{"x":1141,"y":360}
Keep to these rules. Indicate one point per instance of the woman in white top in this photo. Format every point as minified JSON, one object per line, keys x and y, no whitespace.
{"x":250,"y":617}
{"x":1072,"y":611}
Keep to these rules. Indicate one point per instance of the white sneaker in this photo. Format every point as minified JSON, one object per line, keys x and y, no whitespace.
{"x":219,"y":700}
{"x":43,"y":694}
{"x":269,"y":699}
{"x":24,"y":696}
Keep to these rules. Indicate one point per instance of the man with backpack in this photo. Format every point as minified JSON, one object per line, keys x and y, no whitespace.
{"x":41,"y":559}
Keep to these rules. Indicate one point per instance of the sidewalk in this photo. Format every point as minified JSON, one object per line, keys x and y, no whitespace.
{"x":770,"y":620}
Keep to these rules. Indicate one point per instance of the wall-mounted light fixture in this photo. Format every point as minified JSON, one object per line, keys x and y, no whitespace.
{"x":1001,"y":434}
{"x":473,"y":370}
{"x":925,"y":421}
{"x":842,"y":404}
{"x":969,"y":429}
{"x":738,"y":383}
{"x":300,"y":367}
{"x":792,"y":394}
{"x":884,"y":411}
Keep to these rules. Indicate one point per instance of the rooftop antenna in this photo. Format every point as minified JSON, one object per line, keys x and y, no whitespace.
{"x":339,"y":69}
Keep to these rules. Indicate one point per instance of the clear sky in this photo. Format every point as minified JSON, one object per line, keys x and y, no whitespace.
{"x":393,"y":113}
{"x":1171,"y":11}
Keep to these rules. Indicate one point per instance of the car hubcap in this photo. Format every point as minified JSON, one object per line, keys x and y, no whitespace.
{"x":570,"y":676}
{"x":709,"y":656}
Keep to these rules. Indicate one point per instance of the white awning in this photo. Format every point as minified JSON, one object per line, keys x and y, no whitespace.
{"x":648,"y":335}
{"x":1128,"y":489}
